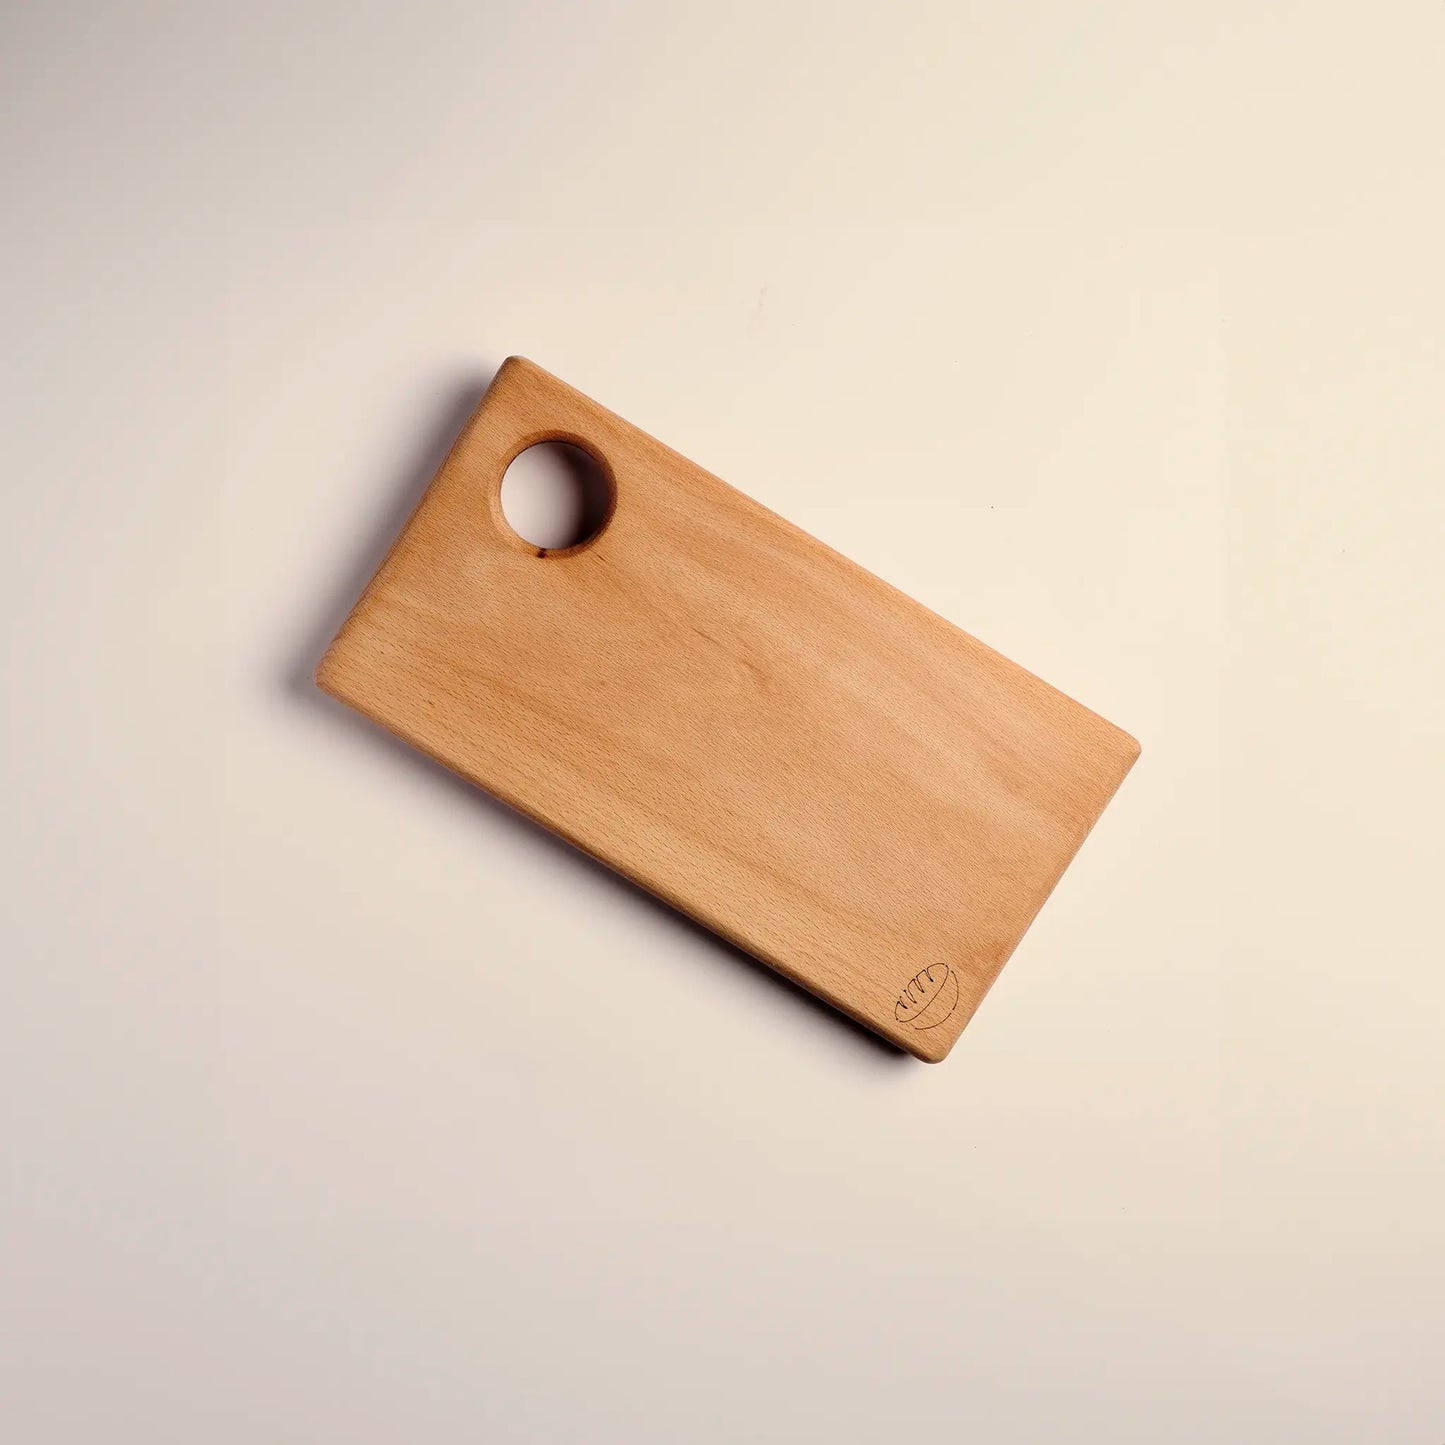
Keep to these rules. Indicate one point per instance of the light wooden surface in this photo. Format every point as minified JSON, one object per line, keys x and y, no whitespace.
{"x":732,"y":715}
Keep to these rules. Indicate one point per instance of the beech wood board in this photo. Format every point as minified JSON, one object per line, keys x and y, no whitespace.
{"x":733,"y":716}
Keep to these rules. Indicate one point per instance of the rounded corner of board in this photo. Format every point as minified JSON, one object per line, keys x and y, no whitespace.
{"x":928,"y":1051}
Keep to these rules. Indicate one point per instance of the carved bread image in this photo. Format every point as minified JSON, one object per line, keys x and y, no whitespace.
{"x":929,"y":998}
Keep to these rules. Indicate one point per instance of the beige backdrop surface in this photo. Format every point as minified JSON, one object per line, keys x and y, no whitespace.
{"x":332,"y":1102}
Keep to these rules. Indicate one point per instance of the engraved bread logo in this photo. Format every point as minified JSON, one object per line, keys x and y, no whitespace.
{"x":929,"y":998}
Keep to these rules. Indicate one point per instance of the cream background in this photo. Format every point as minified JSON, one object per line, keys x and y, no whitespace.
{"x":337,"y":1104}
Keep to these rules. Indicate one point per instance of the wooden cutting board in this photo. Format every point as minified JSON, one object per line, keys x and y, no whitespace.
{"x":732,"y":715}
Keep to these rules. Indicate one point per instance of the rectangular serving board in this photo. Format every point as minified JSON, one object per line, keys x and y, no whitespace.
{"x":732,"y":715}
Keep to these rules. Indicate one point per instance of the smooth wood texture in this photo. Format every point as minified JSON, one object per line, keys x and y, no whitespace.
{"x":734,"y":716}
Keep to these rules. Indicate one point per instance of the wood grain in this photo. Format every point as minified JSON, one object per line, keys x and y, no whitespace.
{"x":734,"y":716}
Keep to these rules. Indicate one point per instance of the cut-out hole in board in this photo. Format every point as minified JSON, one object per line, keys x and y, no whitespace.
{"x":555,"y":495}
